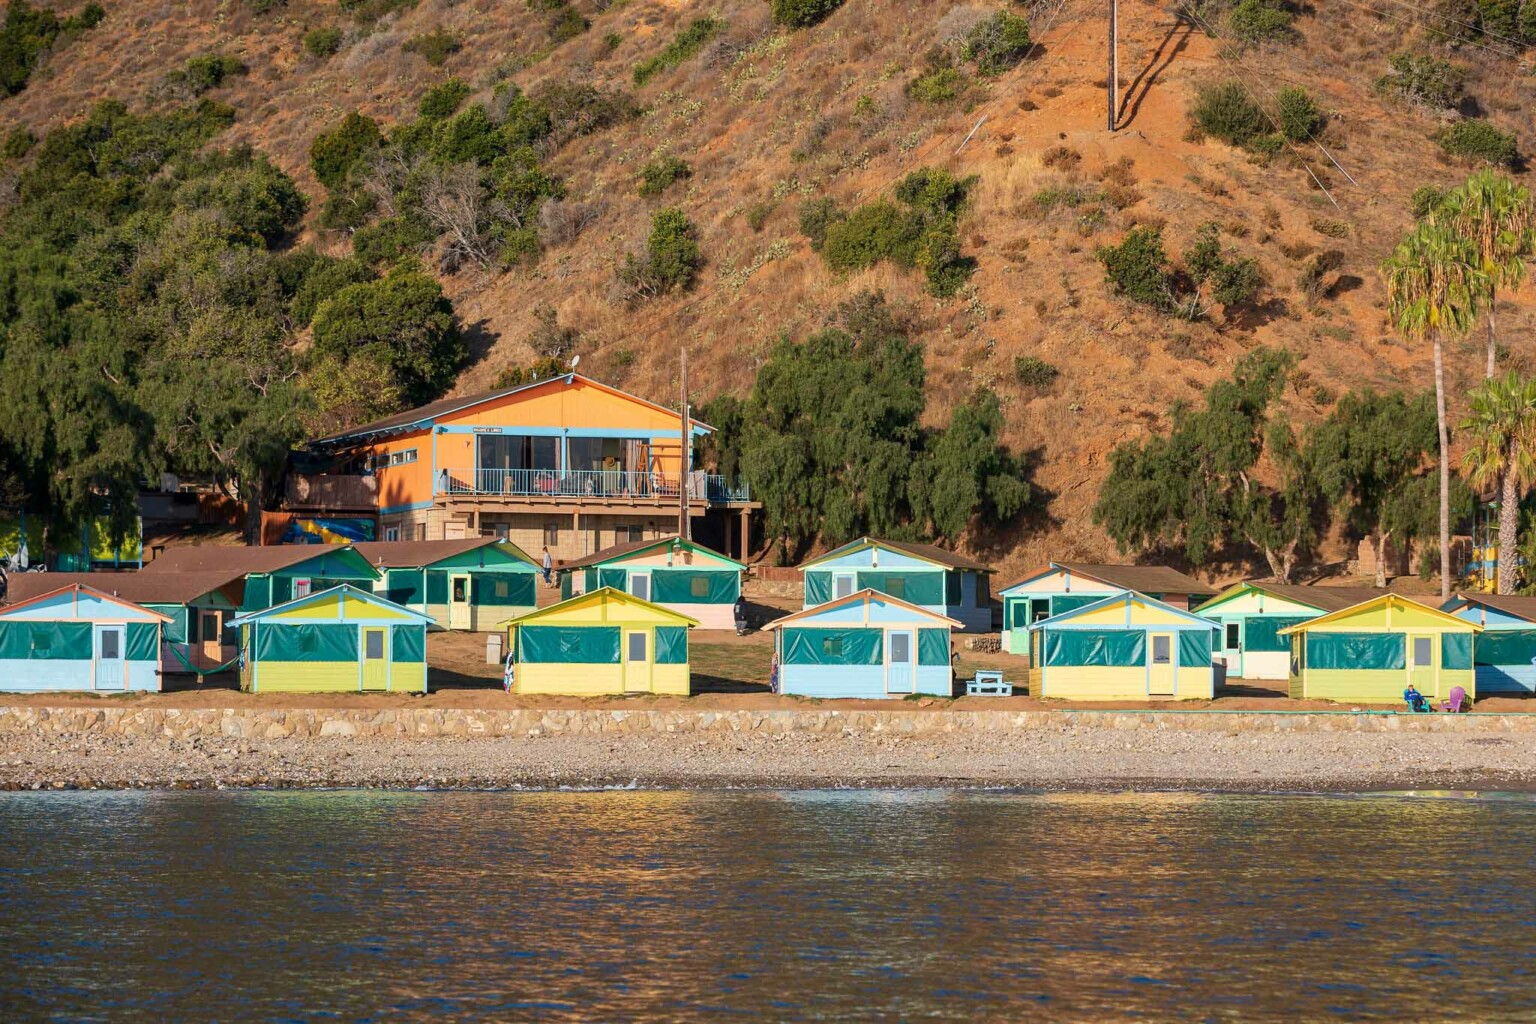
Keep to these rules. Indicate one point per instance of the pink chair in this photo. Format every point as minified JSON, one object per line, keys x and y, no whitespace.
{"x":1457,"y":702}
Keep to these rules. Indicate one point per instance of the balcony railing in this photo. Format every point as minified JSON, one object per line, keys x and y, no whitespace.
{"x":621,"y":484}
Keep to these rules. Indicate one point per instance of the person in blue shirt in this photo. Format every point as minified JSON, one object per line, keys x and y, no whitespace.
{"x":1415,"y":699}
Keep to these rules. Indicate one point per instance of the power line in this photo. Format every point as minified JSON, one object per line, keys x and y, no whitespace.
{"x":1406,"y":21}
{"x":1480,"y":29}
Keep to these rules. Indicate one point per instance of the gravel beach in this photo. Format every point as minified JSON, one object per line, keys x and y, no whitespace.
{"x":1080,"y":759}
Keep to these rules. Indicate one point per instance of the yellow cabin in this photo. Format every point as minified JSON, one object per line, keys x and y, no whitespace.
{"x":1369,"y":652}
{"x":1124,"y":647}
{"x":605,"y":642}
{"x":337,"y":640}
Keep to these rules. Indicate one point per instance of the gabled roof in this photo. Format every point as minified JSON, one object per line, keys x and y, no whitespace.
{"x":238,"y":560}
{"x":1126,"y":599}
{"x":1325,"y":599}
{"x":135,"y":587}
{"x":926,"y":552}
{"x":635,"y":547}
{"x":80,"y":588}
{"x":1510,"y":604}
{"x":1156,"y":579}
{"x":601,"y":594}
{"x":331,"y":593}
{"x":418,"y":554}
{"x":862,"y":597}
{"x":424,"y":416}
{"x":1384,"y":599}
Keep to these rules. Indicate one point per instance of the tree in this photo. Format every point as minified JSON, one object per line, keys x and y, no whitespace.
{"x":1500,"y":219}
{"x":967,"y":472}
{"x":1434,"y":285}
{"x":1502,"y":453}
{"x":1368,"y":457}
{"x":1200,"y":488}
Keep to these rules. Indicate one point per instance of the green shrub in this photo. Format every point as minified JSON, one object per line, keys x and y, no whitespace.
{"x":802,"y":13}
{"x":1475,"y":139}
{"x":1261,"y":21}
{"x":469,"y":136}
{"x":580,"y":109}
{"x":322,"y":42}
{"x":998,"y":44}
{"x":18,"y":143}
{"x":443,"y":99}
{"x":29,"y":32}
{"x":936,"y":85}
{"x":660,"y":174}
{"x":816,"y":217}
{"x":1138,"y":268}
{"x":1425,"y":198}
{"x":1426,"y":81}
{"x":688,"y":42}
{"x":209,"y":71}
{"x":265,"y":6}
{"x":919,"y":232}
{"x":567,"y":24}
{"x":672,"y":258}
{"x":1298,"y":115}
{"x":333,"y":154}
{"x":1228,"y":113}
{"x":384,"y":242}
{"x":434,"y":47}
{"x":871,"y":233}
{"x":612,"y":41}
{"x":1034,"y":373}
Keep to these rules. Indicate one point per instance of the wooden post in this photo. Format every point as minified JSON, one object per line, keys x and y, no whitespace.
{"x":1113,"y":79}
{"x":684,"y":456}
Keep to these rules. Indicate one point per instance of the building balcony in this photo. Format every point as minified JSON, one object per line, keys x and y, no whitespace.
{"x":584,"y":486}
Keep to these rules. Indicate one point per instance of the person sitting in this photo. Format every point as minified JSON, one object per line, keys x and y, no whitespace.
{"x":1415,"y":700}
{"x":740,"y":612}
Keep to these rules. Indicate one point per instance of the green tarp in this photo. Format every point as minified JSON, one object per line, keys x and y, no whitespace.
{"x":282,"y":589}
{"x":851,"y":646}
{"x":671,"y":645}
{"x":933,"y":647}
{"x":258,"y":594}
{"x":1456,"y":650}
{"x":408,"y":644}
{"x":45,"y":641}
{"x":1018,"y":613}
{"x":818,"y":588}
{"x":1505,"y":647}
{"x":143,"y":642}
{"x":1110,"y":648}
{"x":183,"y":625}
{"x":1262,"y":632}
{"x":924,"y":588}
{"x":437,"y":586}
{"x":568,"y":645}
{"x":1066,"y":602}
{"x":1195,"y":647}
{"x":588,"y":580}
{"x":309,"y":642}
{"x":405,"y":586}
{"x":695,"y":586}
{"x":1366,"y":651}
{"x":618,"y":579}
{"x":502,"y":589}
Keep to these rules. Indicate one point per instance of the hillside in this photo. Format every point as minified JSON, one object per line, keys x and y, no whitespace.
{"x":769,"y":119}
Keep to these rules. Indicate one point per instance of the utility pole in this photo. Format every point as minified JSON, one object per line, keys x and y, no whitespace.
{"x":685,"y":457}
{"x":1113,"y":79}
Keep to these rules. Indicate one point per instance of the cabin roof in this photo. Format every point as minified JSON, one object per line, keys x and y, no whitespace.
{"x":1510,"y":604}
{"x":80,"y":588}
{"x":599,"y":596}
{"x":861,"y":597}
{"x":1159,"y":579}
{"x":414,"y":554}
{"x":927,"y":552}
{"x":1384,"y":599}
{"x":238,"y":561}
{"x":135,"y":587}
{"x":326,"y":596}
{"x":1126,"y":598}
{"x":635,"y":547}
{"x":1326,"y":599}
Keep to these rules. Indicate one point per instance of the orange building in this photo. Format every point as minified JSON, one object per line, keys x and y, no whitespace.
{"x":565,"y":463}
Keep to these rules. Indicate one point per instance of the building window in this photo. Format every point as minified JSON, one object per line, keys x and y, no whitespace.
{"x":308,"y":641}
{"x":842,"y":586}
{"x":551,"y":534}
{"x":210,"y":627}
{"x":699,"y":587}
{"x":403,"y":457}
{"x":392,"y":533}
{"x":832,"y":646}
{"x":502,"y":588}
{"x":896,"y":586}
{"x":636,"y":533}
{"x":1234,"y":637}
{"x":42,"y":643}
{"x":421,"y":531}
{"x":301,"y":588}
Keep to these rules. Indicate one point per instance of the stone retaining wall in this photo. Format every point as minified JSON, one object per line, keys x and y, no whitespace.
{"x":273,"y":723}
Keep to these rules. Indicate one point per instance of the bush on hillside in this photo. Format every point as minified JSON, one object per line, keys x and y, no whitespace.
{"x":200,"y":74}
{"x":920,"y":232}
{"x":1261,"y":21}
{"x":434,"y":47}
{"x":1479,"y":141}
{"x":1298,"y":116}
{"x":1138,"y":268}
{"x":322,"y":42}
{"x":1228,"y":113}
{"x":937,"y":84}
{"x":567,"y":24}
{"x":333,"y":154}
{"x":29,"y":32}
{"x":1424,"y":81}
{"x":688,"y":43}
{"x":816,"y":217}
{"x":1425,"y":198}
{"x":1034,"y":373}
{"x":802,"y":13}
{"x":443,"y":99}
{"x":18,"y":143}
{"x":998,"y":43}
{"x":671,"y":261}
{"x":661,"y":174}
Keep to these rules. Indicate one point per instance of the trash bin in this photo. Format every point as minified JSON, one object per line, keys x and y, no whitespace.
{"x":493,"y":649}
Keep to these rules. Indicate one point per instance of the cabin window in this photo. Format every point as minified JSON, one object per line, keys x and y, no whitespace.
{"x":832,"y":646}
{"x":460,"y":589}
{"x":110,"y":639}
{"x":640,"y":586}
{"x":842,"y":586}
{"x":301,"y":588}
{"x":637,"y":533}
{"x":1162,"y":650}
{"x":551,"y":534}
{"x":42,"y":643}
{"x":637,"y":647}
{"x":421,"y":531}
{"x":1234,"y":636}
{"x":1040,"y":608}
{"x":308,"y":641}
{"x":502,"y":588}
{"x":210,"y":627}
{"x":1422,"y":656}
{"x":896,"y":586}
{"x":699,"y":587}
{"x":392,"y":533}
{"x":373,"y":643}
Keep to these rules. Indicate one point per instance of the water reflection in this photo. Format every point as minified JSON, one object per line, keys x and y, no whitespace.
{"x":787,"y":906}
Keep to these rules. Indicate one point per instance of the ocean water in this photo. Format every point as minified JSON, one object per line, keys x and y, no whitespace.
{"x":684,"y":906}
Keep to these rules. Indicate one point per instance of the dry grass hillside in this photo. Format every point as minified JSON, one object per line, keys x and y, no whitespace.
{"x":772,"y":117}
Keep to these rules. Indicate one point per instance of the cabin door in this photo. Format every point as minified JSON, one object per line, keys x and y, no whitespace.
{"x":637,"y":662}
{"x":212,"y":633}
{"x":1421,"y":664}
{"x":899,"y":676}
{"x":458,"y":602}
{"x":111,"y":663}
{"x":1232,"y":647}
{"x":1160,"y":677}
{"x":375,"y":658}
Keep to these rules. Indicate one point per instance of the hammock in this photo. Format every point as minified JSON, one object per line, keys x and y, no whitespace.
{"x":202,"y":671}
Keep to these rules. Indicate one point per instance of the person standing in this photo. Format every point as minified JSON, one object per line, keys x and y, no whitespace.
{"x":548,"y":565}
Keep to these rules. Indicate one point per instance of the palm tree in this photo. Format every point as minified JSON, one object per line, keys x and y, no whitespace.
{"x":1500,"y":219}
{"x":1502,"y":422}
{"x":1434,"y":285}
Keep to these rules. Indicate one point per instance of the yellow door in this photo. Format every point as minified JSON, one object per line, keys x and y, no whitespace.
{"x":1160,"y":679}
{"x":212,"y":632}
{"x":1422,"y":650}
{"x":375,"y":658}
{"x":637,"y":661}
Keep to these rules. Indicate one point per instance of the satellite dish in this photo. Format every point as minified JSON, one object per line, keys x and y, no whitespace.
{"x":574,"y":361}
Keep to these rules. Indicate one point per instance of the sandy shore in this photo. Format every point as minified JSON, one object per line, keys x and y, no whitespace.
{"x":1086,"y":759}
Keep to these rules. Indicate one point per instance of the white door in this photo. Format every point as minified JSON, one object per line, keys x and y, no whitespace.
{"x":640,"y":585}
{"x":111,"y":662}
{"x":458,"y":602}
{"x":1232,"y":645}
{"x":899,"y":677}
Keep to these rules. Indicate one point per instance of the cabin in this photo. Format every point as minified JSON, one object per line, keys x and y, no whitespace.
{"x":461,"y":584}
{"x":198,"y":607}
{"x":1124,"y":647}
{"x":273,"y":575}
{"x":867,"y":644}
{"x":940,"y":581}
{"x":1062,"y":586}
{"x":339,"y":640}
{"x":606,"y":642}
{"x":1504,"y":653}
{"x":1251,"y":616}
{"x":78,"y":637}
{"x":688,"y":578}
{"x":1369,"y":652}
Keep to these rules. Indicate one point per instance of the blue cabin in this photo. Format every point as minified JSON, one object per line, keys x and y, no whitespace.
{"x":1062,"y":586}
{"x":1504,"y":653}
{"x":867,"y":644}
{"x":939,"y":581}
{"x":78,"y":638}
